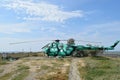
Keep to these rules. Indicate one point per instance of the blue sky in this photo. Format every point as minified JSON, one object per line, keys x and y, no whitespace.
{"x":27,"y":20}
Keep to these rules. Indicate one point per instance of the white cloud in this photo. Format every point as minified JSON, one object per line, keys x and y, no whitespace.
{"x":107,"y":33}
{"x":26,"y":27}
{"x":14,"y":28}
{"x":110,"y":27}
{"x":41,"y":11}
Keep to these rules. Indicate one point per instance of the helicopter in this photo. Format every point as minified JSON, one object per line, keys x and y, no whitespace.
{"x":56,"y":48}
{"x":70,"y":49}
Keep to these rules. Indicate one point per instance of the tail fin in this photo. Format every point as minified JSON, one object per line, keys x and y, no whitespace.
{"x":114,"y":44}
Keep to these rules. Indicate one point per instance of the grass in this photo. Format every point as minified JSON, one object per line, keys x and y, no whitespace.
{"x":55,"y":70}
{"x":46,"y":69}
{"x":100,"y":68}
{"x":6,"y":76}
{"x":22,"y":67}
{"x":22,"y":75}
{"x":3,"y":62}
{"x":54,"y":74}
{"x":1,"y":70}
{"x":57,"y":76}
{"x":24,"y":71}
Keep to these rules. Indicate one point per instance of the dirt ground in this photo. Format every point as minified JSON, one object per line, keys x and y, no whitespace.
{"x":40,"y":68}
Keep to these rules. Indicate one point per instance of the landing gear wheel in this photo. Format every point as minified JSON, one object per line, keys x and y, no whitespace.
{"x":81,"y":54}
{"x":74,"y":53}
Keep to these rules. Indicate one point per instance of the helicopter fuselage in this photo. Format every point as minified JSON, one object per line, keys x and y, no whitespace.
{"x":61,"y":49}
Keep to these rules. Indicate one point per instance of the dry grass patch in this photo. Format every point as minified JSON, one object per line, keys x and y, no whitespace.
{"x":100,"y":68}
{"x":3,"y":62}
{"x":56,"y":69}
{"x":41,"y":68}
{"x":7,"y":75}
{"x":23,"y":72}
{"x":1,"y":70}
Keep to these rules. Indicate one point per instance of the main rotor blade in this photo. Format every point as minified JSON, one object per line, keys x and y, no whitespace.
{"x":84,"y":41}
{"x":31,"y":41}
{"x":50,"y":40}
{"x":27,"y":42}
{"x":88,"y":41}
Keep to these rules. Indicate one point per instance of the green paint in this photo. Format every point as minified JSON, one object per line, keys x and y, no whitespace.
{"x":61,"y":49}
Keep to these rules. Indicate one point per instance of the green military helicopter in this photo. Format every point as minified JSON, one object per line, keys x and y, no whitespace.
{"x":70,"y":49}
{"x":56,"y":48}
